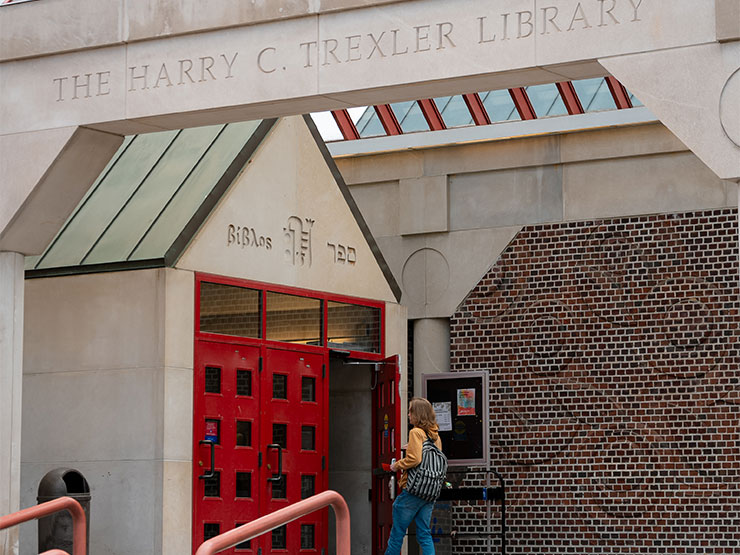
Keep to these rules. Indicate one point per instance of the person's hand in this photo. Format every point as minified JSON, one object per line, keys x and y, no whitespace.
{"x":394,"y":467}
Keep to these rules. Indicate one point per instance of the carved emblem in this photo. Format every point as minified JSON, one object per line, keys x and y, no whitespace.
{"x":298,"y":241}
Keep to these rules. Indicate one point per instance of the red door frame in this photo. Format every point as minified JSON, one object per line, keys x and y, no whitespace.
{"x":264,"y":344}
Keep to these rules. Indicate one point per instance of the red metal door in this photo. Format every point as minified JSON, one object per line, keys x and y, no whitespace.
{"x":226,"y":409}
{"x":266,"y":424}
{"x":294,"y":412}
{"x":386,"y":445}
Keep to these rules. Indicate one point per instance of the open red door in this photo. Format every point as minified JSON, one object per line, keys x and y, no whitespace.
{"x":386,"y":445}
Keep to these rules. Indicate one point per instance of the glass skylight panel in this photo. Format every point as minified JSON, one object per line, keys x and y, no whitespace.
{"x":499,"y":105}
{"x":594,"y":95}
{"x":635,"y":101}
{"x":369,"y":124}
{"x":454,"y":111}
{"x":327,"y":126}
{"x":546,"y":100}
{"x":410,"y":116}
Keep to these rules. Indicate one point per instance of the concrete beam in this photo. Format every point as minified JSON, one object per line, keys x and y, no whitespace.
{"x":45,"y":174}
{"x":695,"y":92}
{"x":338,"y":58}
{"x":728,"y":20}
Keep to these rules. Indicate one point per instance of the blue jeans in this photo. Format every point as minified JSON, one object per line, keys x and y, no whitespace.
{"x":406,"y":508}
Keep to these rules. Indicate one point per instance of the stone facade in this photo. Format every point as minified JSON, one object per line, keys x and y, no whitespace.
{"x":612,"y":347}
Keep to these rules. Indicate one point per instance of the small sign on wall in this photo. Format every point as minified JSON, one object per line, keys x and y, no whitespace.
{"x":460,"y":402}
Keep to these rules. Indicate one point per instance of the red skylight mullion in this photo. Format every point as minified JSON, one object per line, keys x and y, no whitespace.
{"x":345,"y":124}
{"x":476,"y":109}
{"x":570,"y":97}
{"x":431,"y":114}
{"x":388,"y":119}
{"x":619,"y":93}
{"x":522,"y":103}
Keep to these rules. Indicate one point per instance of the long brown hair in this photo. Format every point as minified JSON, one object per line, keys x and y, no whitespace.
{"x":424,"y":414}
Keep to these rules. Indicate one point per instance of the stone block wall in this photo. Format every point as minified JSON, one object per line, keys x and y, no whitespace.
{"x":613,"y":350}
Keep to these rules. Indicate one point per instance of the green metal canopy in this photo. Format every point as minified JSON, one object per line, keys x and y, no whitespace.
{"x":150,"y":199}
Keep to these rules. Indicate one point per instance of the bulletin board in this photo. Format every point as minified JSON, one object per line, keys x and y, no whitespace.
{"x":460,"y":401}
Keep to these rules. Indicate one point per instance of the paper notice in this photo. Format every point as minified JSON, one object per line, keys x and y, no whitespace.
{"x":444,"y":416}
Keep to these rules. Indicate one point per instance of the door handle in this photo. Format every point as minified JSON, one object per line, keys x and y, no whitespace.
{"x":277,"y":477}
{"x":211,"y":472}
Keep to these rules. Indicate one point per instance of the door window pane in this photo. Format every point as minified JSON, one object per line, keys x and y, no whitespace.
{"x":212,"y":486}
{"x":307,"y":536}
{"x":308,"y":389}
{"x":244,"y":484}
{"x":279,"y":386}
{"x":280,"y":435}
{"x":210,"y":530}
{"x":308,"y":438}
{"x":213,"y":379}
{"x":278,"y":538}
{"x":279,"y":489}
{"x":293,"y":319}
{"x":244,"y":383}
{"x":308,"y":486}
{"x":243,"y":433}
{"x":353,"y":327}
{"x":230,"y":310}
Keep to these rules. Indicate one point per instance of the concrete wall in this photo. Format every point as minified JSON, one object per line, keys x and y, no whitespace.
{"x":107,"y":390}
{"x":443,"y":215}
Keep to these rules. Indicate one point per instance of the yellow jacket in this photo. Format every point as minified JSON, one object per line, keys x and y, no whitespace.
{"x":417,"y":437}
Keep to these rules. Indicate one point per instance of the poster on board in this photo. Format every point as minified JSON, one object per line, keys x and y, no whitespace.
{"x":466,"y":402}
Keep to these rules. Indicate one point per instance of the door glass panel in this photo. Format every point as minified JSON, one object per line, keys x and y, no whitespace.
{"x":244,"y":383}
{"x":243,"y":433}
{"x":279,"y":386}
{"x":279,"y":489}
{"x":212,"y":486}
{"x":211,"y":530}
{"x":353,"y":327}
{"x":244,"y":484}
{"x":308,"y":438}
{"x":230,"y":310}
{"x":279,"y":540}
{"x":307,"y":536}
{"x":308,"y":389}
{"x":280,"y":435}
{"x":213,"y":379}
{"x":293,"y":319}
{"x":308,"y":486}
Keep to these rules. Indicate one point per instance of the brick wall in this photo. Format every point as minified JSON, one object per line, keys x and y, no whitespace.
{"x":613,"y":351}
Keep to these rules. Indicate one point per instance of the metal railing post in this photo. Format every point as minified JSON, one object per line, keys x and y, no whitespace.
{"x":283,"y":516}
{"x":79,"y":524}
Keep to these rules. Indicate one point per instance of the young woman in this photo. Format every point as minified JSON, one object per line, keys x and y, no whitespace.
{"x":408,"y":507}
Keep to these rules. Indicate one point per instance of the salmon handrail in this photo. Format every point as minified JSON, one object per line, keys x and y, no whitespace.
{"x":283,"y":516}
{"x":79,"y":525}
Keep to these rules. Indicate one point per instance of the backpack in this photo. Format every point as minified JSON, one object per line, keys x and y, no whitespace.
{"x":425,"y":480}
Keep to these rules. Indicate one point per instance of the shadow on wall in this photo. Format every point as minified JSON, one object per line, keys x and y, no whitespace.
{"x":613,"y":350}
